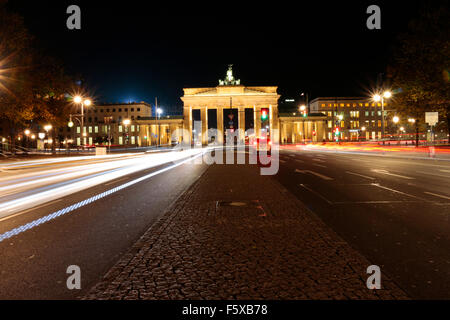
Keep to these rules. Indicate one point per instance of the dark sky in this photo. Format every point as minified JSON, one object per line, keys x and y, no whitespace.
{"x":137,"y":50}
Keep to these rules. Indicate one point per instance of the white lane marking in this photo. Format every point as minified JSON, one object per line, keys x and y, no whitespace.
{"x":318,"y":165}
{"x":316,"y":193}
{"x":282,"y":161}
{"x":314,"y":173}
{"x":112,"y":182}
{"x":90,"y":200}
{"x":433,"y":174}
{"x":445,"y":170}
{"x":300,"y":161}
{"x":376,"y":202}
{"x":391,"y":174}
{"x":399,"y":192}
{"x":318,"y":160}
{"x":437,"y":195}
{"x":31,"y":209}
{"x":360,"y":175}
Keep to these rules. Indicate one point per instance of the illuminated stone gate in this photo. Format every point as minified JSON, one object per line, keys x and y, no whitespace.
{"x":230,"y":94}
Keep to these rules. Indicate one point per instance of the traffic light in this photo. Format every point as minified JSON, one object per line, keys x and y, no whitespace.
{"x":264,"y":114}
{"x":336,"y":131}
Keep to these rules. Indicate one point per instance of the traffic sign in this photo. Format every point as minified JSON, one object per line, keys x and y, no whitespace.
{"x":432,"y":118}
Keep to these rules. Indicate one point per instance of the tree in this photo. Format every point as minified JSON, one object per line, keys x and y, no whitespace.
{"x":16,"y":98}
{"x":421,"y":65}
{"x":51,"y":102}
{"x":33,"y":85}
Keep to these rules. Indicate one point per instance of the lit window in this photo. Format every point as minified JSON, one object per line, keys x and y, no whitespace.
{"x":96,"y":129}
{"x":90,"y":129}
{"x":120,"y":128}
{"x":132,"y":128}
{"x":78,"y":129}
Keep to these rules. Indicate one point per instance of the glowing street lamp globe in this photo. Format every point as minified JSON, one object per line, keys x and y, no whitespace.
{"x":77,"y":99}
{"x":70,"y":124}
{"x":396,"y":119}
{"x":126,"y":122}
{"x":376,"y":98}
{"x":41,"y":135}
{"x":387,"y":94}
{"x":48,"y":127}
{"x":27,"y":132}
{"x":87,"y":102}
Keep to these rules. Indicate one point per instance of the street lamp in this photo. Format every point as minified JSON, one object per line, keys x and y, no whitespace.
{"x":126,"y":122}
{"x":378,"y":98}
{"x":159,"y":111}
{"x":83,"y":102}
{"x":395,"y":119}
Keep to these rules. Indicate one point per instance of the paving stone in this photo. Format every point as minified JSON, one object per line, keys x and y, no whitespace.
{"x":203,"y":249}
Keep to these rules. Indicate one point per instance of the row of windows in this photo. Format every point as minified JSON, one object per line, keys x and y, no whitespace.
{"x":354,"y":124}
{"x":365,"y":104}
{"x":90,"y":140}
{"x":114,"y":110}
{"x":119,"y":119}
{"x":104,"y":129}
{"x":355,"y":114}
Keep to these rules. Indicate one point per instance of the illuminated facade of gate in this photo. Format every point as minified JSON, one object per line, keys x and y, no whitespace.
{"x":230,"y":94}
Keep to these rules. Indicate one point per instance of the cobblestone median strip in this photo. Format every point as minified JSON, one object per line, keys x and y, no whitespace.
{"x":238,"y":235}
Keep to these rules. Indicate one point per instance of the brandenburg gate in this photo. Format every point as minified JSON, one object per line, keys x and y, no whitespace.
{"x":230,"y":103}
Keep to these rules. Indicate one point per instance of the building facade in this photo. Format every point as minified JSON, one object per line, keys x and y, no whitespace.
{"x":104,"y":123}
{"x":350,"y":118}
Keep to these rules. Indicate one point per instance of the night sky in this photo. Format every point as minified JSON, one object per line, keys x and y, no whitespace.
{"x":137,"y":50}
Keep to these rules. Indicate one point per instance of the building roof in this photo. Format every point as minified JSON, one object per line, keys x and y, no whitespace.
{"x":103,"y":104}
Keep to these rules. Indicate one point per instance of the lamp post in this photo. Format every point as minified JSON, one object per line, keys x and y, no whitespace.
{"x":27,"y":134}
{"x":47,"y":128}
{"x":363,"y":130}
{"x":396,"y":119}
{"x":83,"y":102}
{"x":159,"y":111}
{"x":126,"y":122}
{"x":302,"y":110}
{"x":378,"y":98}
{"x":412,"y":120}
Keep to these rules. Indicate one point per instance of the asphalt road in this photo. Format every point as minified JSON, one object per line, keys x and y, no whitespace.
{"x":93,"y":236}
{"x":394,"y":211}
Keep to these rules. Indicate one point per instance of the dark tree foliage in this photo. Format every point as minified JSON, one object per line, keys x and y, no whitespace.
{"x":33,"y":85}
{"x":421,"y":65}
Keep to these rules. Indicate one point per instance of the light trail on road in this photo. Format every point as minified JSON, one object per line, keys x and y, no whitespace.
{"x":44,"y":182}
